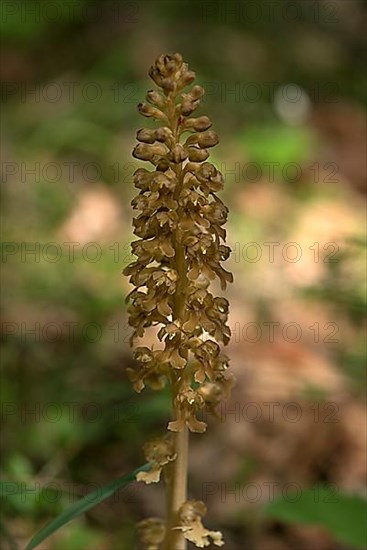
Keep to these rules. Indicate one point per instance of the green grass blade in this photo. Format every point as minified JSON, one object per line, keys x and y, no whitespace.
{"x":83,"y":505}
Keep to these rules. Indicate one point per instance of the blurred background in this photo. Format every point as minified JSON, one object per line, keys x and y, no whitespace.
{"x":286,"y":90}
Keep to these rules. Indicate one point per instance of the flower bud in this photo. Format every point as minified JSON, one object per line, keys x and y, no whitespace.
{"x":169,"y":66}
{"x":199,"y":124}
{"x":178,"y":60}
{"x":168,"y":85}
{"x":145,"y":135}
{"x":156,"y":99}
{"x":197,"y":92}
{"x":188,"y":106}
{"x":162,"y":165}
{"x":149,"y":111}
{"x":142,"y":178}
{"x":191,"y":167}
{"x":155,"y":75}
{"x":163,"y":134}
{"x":178,"y":153}
{"x":197,"y":155}
{"x":208,"y":139}
{"x":143,"y":151}
{"x":186,"y":79}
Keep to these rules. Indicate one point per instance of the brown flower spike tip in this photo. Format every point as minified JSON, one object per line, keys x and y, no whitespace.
{"x":179,"y":251}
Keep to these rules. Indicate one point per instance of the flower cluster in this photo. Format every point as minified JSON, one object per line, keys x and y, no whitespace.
{"x":179,"y":253}
{"x":180,"y":245}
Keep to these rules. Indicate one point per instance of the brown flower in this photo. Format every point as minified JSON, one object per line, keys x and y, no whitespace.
{"x":158,"y":452}
{"x":190,"y":515}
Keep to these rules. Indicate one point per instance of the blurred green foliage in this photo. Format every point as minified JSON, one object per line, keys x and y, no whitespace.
{"x":342,"y":514}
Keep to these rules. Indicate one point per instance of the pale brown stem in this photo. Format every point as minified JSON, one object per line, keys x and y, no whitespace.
{"x":177,"y":489}
{"x":177,"y":473}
